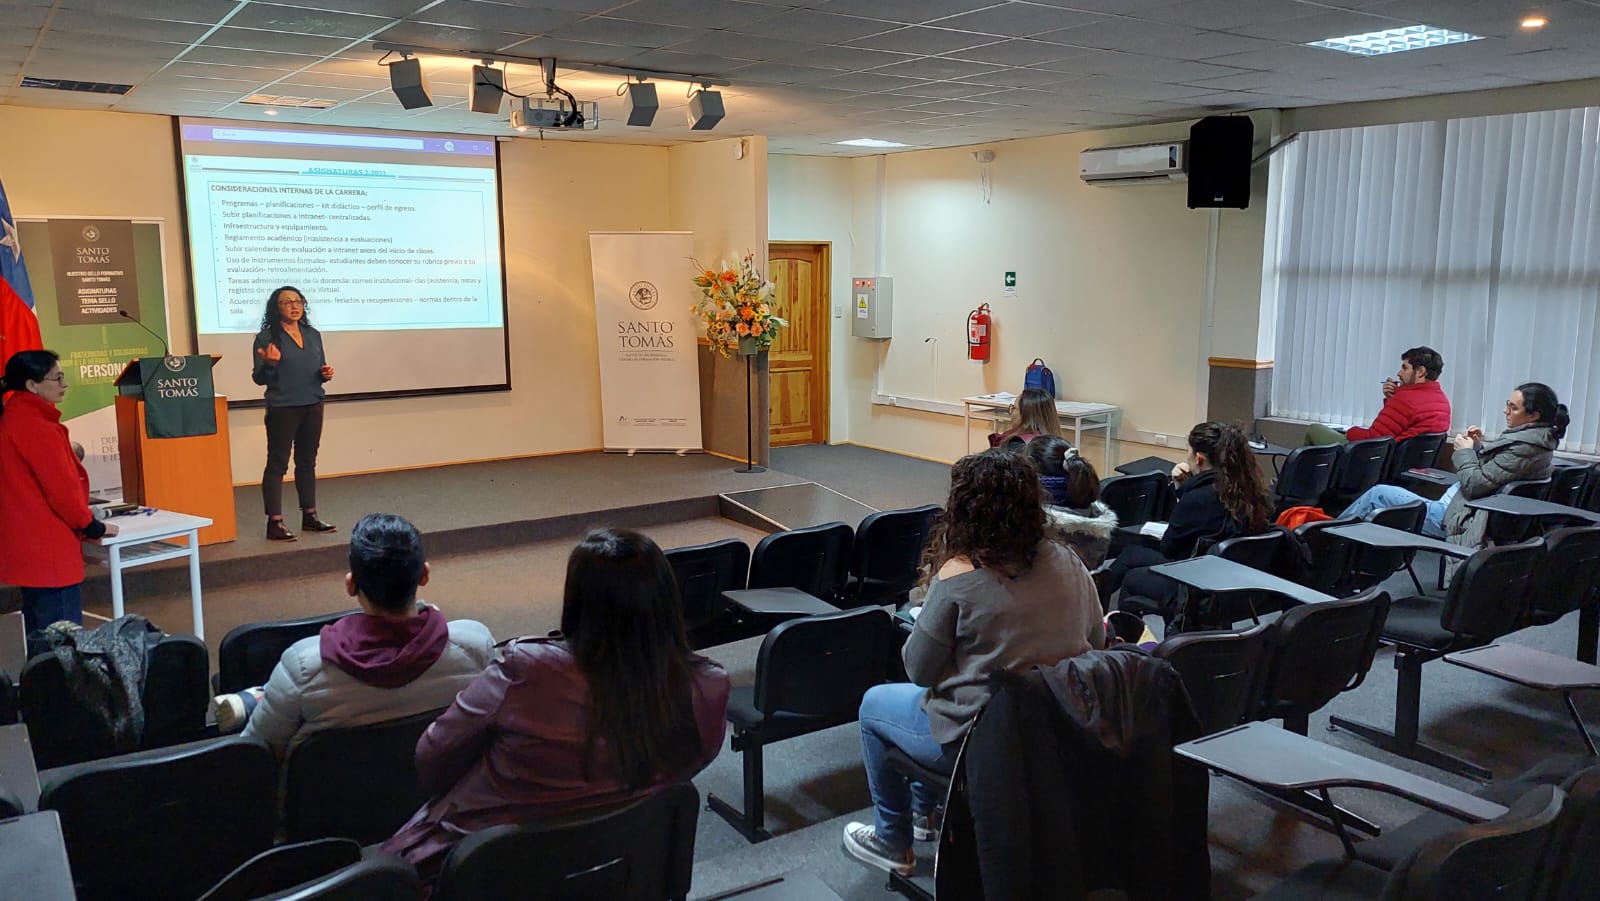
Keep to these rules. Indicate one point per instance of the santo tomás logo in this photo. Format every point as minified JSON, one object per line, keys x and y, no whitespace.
{"x":175,"y":363}
{"x":643,"y":296}
{"x":91,"y":233}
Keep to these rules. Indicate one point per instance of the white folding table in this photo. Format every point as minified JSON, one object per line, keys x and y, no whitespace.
{"x":1075,"y":415}
{"x":146,"y":538}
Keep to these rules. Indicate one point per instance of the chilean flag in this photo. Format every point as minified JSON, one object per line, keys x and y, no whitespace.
{"x":19,"y":325}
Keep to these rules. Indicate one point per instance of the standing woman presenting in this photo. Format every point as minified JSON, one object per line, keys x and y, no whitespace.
{"x":290,"y":363}
{"x":44,"y":494}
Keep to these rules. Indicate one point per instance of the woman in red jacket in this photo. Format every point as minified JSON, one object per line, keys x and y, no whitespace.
{"x":44,"y":494}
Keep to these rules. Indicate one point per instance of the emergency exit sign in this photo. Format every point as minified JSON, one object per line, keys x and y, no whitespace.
{"x":1010,"y":285}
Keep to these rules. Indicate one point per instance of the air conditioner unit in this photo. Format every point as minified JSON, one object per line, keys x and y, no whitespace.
{"x":1135,"y":164}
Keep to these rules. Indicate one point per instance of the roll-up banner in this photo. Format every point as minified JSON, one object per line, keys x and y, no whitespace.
{"x":649,"y":377}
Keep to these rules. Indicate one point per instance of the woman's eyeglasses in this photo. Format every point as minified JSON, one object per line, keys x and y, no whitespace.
{"x":59,"y":378}
{"x":286,"y":304}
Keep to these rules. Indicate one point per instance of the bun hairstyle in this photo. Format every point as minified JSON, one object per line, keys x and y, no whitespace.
{"x":1068,"y":479}
{"x":1240,"y":488}
{"x":1538,"y":398}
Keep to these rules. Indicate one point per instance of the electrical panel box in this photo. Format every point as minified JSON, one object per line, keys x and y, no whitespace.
{"x":872,"y":307}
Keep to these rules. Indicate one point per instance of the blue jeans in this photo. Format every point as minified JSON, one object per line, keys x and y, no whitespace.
{"x":1379,"y":496}
{"x":43,"y":606}
{"x":892,"y":717}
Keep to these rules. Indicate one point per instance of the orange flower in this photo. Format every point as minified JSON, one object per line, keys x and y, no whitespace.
{"x":755,"y":328}
{"x":746,"y":313}
{"x":743,"y":329}
{"x":729,"y":276}
{"x":711,"y":275}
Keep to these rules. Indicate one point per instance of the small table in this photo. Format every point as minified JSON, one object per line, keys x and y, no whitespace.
{"x":1535,"y":669}
{"x":1442,"y":478}
{"x":143,"y":539}
{"x":1373,"y":535}
{"x":790,"y":602}
{"x":1146,"y":464}
{"x":1512,"y":505}
{"x":1216,"y":574}
{"x":1075,"y":415}
{"x":33,"y":858}
{"x":18,"y":772}
{"x":1282,"y":761}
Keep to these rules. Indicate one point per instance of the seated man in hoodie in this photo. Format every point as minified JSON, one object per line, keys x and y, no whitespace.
{"x":1072,"y":506}
{"x":396,"y":658}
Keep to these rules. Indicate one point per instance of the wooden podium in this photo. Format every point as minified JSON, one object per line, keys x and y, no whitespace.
{"x":187,"y":475}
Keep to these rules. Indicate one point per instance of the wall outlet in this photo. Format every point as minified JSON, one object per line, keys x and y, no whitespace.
{"x":838,"y":312}
{"x":1161,"y":440}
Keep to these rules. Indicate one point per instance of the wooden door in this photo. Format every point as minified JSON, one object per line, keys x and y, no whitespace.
{"x":799,"y":357}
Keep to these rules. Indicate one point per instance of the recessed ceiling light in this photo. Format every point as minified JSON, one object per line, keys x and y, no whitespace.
{"x":1395,"y":40}
{"x":870,"y":142}
{"x":1533,"y":23}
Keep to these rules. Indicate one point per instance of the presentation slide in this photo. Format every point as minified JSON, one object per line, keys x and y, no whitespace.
{"x":393,"y":238}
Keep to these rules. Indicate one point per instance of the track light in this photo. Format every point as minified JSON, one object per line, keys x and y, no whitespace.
{"x":641,"y":104}
{"x":705,"y":109}
{"x":409,"y":83}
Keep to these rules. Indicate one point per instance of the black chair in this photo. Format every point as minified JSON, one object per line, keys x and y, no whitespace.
{"x":63,"y":730}
{"x":358,"y":783}
{"x":1328,"y":566}
{"x":1224,"y":608}
{"x":887,"y":553}
{"x":1569,"y":576}
{"x":704,"y":572}
{"x":1371,"y":565}
{"x":1504,"y":858}
{"x":1317,"y":651}
{"x":1418,"y":452}
{"x":167,"y":823}
{"x":1590,"y":499}
{"x":1487,"y":599}
{"x":380,"y":877}
{"x":916,"y":772}
{"x":815,"y":560}
{"x":248,"y":653}
{"x":1566,"y":485}
{"x":1503,"y":528}
{"x":1361,"y":466}
{"x":643,"y":852}
{"x":284,"y":866}
{"x":1305,"y":476}
{"x":1220,"y":671}
{"x":810,"y":675}
{"x":1135,"y":499}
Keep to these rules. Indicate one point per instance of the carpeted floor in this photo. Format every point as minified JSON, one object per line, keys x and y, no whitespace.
{"x":814,"y":784}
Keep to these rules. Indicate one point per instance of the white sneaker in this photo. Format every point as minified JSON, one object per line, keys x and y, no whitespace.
{"x":861,"y":842}
{"x":925,"y":827}
{"x":232,"y":711}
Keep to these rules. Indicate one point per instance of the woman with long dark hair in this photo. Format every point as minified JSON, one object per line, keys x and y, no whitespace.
{"x":1001,"y":596}
{"x":1221,"y":495}
{"x":44,"y":494}
{"x":613,"y":707}
{"x":291,"y":365}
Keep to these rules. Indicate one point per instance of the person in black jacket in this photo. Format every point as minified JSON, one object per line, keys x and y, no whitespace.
{"x":1221,"y":495}
{"x":291,"y":365}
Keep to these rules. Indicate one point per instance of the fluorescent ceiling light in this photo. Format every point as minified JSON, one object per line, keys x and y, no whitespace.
{"x":870,"y":142}
{"x":1533,"y":23}
{"x":1395,"y":40}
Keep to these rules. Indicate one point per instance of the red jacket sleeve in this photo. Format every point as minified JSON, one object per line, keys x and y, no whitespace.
{"x":58,"y":475}
{"x":1391,"y":420}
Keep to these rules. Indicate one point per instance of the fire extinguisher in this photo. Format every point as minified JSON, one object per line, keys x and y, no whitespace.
{"x":978,"y":334}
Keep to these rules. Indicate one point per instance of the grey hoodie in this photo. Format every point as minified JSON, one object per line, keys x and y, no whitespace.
{"x":1518,"y":454}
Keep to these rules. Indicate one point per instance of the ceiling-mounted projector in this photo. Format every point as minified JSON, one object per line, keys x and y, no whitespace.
{"x":556,"y":115}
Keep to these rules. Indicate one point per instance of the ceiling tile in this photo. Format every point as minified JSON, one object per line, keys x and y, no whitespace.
{"x":908,"y":12}
{"x":1019,"y":20}
{"x":1014,"y":53}
{"x":1224,"y":14}
{"x":853,"y":59}
{"x":497,"y":17}
{"x":209,"y":12}
{"x":933,"y":68}
{"x":810,"y":25}
{"x":306,"y":21}
{"x":251,"y":39}
{"x":921,"y":39}
{"x":601,"y":30}
{"x":68,"y":21}
{"x":1319,"y":26}
{"x":694,"y":13}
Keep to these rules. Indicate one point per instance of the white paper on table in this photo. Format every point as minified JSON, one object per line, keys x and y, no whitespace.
{"x":1153,"y":529}
{"x":1004,"y":397}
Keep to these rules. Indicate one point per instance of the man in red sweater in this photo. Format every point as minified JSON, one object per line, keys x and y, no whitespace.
{"x":1414,"y":404}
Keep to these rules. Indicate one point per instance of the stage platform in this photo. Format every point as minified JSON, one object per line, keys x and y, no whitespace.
{"x":475,"y":507}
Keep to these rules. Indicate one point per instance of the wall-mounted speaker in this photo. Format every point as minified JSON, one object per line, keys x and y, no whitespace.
{"x":487,"y":89}
{"x":409,"y":83}
{"x":1220,"y":148}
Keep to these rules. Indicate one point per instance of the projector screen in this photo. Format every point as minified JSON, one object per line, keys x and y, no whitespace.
{"x":393,"y":238}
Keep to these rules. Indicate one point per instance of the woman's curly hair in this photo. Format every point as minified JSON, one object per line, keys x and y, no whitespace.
{"x":994,"y":516}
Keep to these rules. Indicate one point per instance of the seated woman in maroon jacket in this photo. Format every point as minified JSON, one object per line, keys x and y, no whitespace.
{"x":610,"y":709}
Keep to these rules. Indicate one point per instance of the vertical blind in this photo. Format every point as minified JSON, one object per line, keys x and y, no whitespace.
{"x":1477,"y":237}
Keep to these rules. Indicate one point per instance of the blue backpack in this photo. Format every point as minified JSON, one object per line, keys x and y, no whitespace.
{"x":1040,"y":376}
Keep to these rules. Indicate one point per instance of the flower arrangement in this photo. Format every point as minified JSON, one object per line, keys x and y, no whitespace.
{"x":736,"y":304}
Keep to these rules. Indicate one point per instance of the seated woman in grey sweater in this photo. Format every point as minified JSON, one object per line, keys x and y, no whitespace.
{"x":1002,"y":596}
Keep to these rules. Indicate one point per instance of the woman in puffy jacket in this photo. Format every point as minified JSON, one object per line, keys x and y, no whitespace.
{"x":44,"y":494}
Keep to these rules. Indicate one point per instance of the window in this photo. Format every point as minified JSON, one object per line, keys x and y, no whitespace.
{"x":1477,"y":237}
